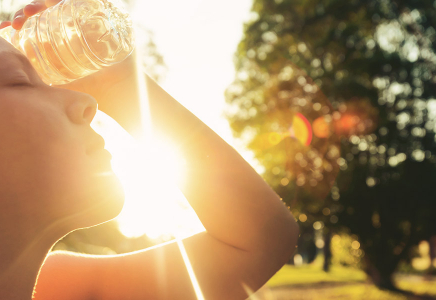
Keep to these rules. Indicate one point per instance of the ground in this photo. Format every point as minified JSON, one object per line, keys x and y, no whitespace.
{"x":310,"y":282}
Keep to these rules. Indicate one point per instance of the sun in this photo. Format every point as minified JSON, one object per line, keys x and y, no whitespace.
{"x":150,"y":174}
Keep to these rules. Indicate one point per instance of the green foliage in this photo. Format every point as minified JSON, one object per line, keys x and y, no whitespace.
{"x":346,"y":250}
{"x":366,"y":71}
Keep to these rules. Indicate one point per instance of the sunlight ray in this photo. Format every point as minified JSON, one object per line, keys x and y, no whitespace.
{"x":191,"y":273}
{"x":146,"y":132}
{"x":147,"y":136}
{"x":249,"y":292}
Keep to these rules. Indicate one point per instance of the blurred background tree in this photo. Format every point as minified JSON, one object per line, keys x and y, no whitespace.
{"x":323,"y":85}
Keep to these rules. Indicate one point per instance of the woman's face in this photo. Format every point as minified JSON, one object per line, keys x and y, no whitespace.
{"x":53,"y":167}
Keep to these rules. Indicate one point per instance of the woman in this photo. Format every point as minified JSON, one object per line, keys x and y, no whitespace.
{"x":55,"y":177}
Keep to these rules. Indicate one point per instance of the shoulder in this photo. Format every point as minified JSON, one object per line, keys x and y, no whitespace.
{"x":66,"y":275}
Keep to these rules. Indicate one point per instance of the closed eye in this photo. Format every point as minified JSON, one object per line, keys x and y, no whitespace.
{"x":22,"y":80}
{"x":20,"y":84}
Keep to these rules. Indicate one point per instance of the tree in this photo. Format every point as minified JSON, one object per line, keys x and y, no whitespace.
{"x":363,"y":73}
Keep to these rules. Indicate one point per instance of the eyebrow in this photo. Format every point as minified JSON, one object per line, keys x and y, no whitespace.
{"x":19,"y":61}
{"x":17,"y":56}
{"x":23,"y":59}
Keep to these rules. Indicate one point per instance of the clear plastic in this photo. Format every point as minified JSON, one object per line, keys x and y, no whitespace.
{"x":73,"y":39}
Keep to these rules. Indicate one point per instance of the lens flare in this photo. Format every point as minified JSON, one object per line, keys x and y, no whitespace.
{"x":301,"y":129}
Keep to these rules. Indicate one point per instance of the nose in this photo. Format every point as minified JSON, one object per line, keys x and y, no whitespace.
{"x":82,"y":108}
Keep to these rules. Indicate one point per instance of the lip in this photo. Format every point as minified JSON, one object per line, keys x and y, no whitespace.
{"x":101,"y":160}
{"x":104,"y":154}
{"x":97,"y":146}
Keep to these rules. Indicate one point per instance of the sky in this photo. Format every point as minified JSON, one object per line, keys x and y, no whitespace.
{"x":197,"y":39}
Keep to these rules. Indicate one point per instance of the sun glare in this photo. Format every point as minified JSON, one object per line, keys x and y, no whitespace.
{"x":149,"y":174}
{"x":194,"y":281}
{"x":150,"y":169}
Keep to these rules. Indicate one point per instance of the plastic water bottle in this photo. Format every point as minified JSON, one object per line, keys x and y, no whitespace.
{"x":73,"y":39}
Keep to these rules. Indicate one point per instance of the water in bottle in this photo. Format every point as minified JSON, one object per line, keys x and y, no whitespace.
{"x":73,"y":39}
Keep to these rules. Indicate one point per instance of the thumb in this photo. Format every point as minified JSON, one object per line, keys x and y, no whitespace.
{"x":49,"y":3}
{"x":33,"y":8}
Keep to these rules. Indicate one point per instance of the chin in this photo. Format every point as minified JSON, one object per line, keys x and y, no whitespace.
{"x":103,"y":202}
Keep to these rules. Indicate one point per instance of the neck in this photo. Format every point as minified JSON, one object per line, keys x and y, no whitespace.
{"x":23,"y":249}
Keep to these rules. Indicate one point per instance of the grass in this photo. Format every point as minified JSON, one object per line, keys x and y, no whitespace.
{"x":417,"y":284}
{"x":308,"y":274}
{"x":310,"y":282}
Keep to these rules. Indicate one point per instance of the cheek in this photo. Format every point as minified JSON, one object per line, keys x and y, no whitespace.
{"x":37,"y":150}
{"x":23,"y":163}
{"x":47,"y":181}
{"x":76,"y":185}
{"x":28,"y":129}
{"x":43,"y":159}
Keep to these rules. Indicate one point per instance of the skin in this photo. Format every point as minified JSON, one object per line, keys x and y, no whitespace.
{"x":45,"y":146}
{"x":55,"y":176}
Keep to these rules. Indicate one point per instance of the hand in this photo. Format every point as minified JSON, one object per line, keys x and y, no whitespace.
{"x":29,"y":10}
{"x":115,"y":88}
{"x":94,"y":84}
{"x":104,"y":84}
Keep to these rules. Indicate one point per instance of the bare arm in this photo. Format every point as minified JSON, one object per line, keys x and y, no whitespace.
{"x":233,"y":202}
{"x":249,"y":232}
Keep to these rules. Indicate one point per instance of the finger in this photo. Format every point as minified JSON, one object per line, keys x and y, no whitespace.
{"x":19,"y":20}
{"x":50,"y":3}
{"x":34,"y":8}
{"x":5,"y":24}
{"x":19,"y":13}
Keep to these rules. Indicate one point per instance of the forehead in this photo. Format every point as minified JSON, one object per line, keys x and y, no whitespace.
{"x":7,"y":47}
{"x":9,"y":56}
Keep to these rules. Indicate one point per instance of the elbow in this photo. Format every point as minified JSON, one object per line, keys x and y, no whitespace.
{"x":275,"y":248}
{"x":283,"y":242}
{"x":289,"y":241}
{"x":293,"y":238}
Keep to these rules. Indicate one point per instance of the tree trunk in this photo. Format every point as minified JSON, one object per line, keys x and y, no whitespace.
{"x":382,"y":278}
{"x":432,"y":243}
{"x":327,"y":251}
